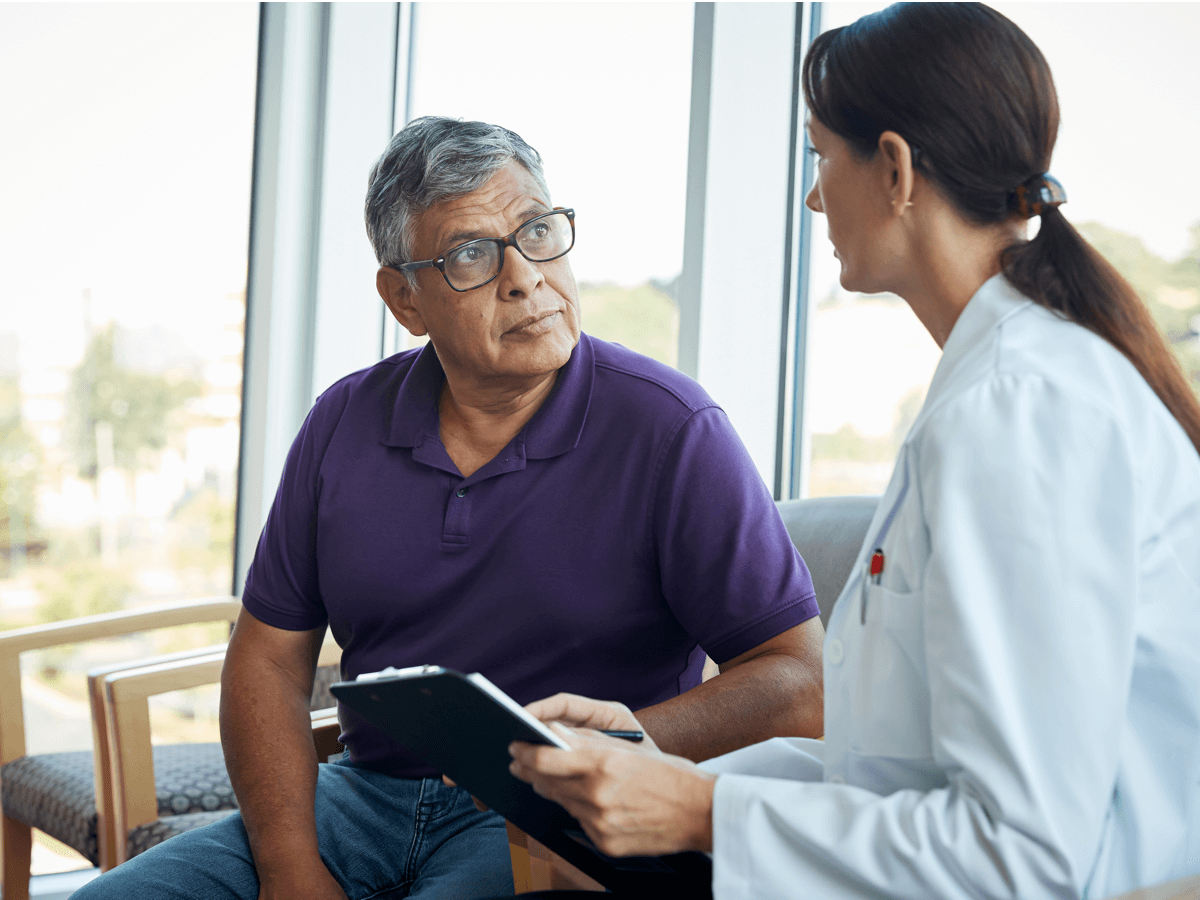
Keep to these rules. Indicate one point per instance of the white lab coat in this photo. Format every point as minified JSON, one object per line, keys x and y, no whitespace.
{"x":1016,"y":712}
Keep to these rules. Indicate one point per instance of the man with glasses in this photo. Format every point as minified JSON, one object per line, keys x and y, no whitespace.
{"x":516,"y":498}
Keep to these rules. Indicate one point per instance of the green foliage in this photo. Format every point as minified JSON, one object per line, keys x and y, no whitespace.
{"x":81,"y":588}
{"x":1186,"y":272}
{"x":142,"y":408}
{"x":848,"y":444}
{"x":1141,"y":268}
{"x":642,"y":318}
{"x":20,"y":468}
{"x":1171,"y":291}
{"x":204,"y":531}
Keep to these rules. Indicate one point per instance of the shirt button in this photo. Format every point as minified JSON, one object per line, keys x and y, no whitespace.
{"x":837,"y":779}
{"x":834,"y":652}
{"x":462,"y":492}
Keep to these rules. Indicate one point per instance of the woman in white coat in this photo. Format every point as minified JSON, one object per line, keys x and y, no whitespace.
{"x":1012,"y":675}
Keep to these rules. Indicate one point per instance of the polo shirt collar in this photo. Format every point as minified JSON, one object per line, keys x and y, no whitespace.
{"x":555,"y":428}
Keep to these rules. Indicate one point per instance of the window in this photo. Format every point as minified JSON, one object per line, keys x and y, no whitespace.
{"x":125,"y":172}
{"x":1122,"y":154}
{"x":605,"y":101}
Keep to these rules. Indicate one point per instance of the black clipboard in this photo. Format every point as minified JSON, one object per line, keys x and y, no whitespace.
{"x":462,"y":725}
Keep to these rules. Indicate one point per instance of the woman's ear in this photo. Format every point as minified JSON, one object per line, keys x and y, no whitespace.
{"x":398,"y":294}
{"x":896,"y":153}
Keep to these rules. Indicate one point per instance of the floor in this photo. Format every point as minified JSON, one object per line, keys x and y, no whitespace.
{"x":59,"y":886}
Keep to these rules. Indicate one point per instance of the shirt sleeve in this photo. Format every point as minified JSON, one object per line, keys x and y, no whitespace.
{"x":1028,"y":640}
{"x":282,"y":587}
{"x":729,"y":570}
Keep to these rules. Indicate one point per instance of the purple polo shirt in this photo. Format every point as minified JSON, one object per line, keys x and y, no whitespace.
{"x":623,"y":529}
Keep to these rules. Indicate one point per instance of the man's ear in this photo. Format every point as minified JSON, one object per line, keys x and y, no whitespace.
{"x":396,"y":292}
{"x":896,"y":155}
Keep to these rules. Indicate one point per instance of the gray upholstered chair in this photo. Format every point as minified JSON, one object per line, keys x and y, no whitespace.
{"x":828,"y":532}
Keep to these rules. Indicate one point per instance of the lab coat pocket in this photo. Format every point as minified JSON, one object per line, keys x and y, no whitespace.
{"x":893,"y":691}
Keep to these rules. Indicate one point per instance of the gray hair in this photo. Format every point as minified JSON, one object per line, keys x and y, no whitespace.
{"x":430,"y":160}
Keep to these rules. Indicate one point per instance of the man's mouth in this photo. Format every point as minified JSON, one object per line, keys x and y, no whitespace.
{"x":533,"y":325}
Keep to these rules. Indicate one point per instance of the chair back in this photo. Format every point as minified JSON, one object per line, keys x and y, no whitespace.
{"x":828,"y":532}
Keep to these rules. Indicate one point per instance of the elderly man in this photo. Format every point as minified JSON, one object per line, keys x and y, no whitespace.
{"x":515,"y":498}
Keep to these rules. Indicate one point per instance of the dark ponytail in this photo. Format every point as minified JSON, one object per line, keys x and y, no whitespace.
{"x":973,"y":92}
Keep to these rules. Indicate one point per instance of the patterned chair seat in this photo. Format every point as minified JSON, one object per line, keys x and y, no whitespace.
{"x":55,"y":792}
{"x":144,"y":837}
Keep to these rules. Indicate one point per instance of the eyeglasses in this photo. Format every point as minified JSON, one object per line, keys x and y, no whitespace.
{"x":475,"y":263}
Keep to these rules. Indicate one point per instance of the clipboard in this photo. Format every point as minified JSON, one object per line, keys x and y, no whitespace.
{"x":462,"y":725}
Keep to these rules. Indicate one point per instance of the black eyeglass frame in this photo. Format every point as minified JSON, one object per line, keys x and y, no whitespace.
{"x":439,"y":262}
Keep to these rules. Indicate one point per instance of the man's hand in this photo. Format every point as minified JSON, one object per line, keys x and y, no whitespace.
{"x":631,"y":799}
{"x":266,"y":734}
{"x":309,"y":880}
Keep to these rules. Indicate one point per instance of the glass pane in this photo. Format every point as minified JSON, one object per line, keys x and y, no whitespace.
{"x":125,"y":172}
{"x":1125,"y":152}
{"x":612,"y":134}
{"x":870,"y":360}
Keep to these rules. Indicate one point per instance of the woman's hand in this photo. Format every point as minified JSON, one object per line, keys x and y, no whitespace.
{"x":631,"y":799}
{"x":584,"y":712}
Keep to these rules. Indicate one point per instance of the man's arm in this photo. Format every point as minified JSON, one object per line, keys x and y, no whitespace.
{"x":266,"y":735}
{"x":772,"y":690}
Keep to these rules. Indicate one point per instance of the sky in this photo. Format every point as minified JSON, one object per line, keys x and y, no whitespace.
{"x":605,"y":104}
{"x":125,"y":162}
{"x":1128,"y":88}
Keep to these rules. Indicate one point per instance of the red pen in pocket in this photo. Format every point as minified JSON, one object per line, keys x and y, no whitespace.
{"x":877,"y":565}
{"x":875,"y":570}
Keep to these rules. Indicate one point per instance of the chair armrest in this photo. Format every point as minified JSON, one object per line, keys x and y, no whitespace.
{"x":325,"y":731}
{"x":1183,"y":889}
{"x":126,"y":701}
{"x":105,"y":789}
{"x":39,"y":637}
{"x":124,"y":694}
{"x":115,"y":624}
{"x":537,"y":868}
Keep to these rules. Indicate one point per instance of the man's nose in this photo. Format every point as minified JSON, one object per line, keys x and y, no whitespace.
{"x":519,"y":277}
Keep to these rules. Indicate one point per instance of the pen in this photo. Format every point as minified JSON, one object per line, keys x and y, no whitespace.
{"x":876,"y":572}
{"x":625,"y":735}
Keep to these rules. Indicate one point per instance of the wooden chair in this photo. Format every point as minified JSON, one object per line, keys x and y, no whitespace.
{"x":139,"y":813}
{"x":55,"y":792}
{"x":538,"y":868}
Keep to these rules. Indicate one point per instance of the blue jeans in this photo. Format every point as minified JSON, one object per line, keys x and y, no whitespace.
{"x":380,"y":837}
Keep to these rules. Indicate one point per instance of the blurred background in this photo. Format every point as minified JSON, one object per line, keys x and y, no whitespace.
{"x":126,"y":182}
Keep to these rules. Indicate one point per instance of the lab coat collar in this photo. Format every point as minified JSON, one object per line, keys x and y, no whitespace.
{"x":995,"y":301}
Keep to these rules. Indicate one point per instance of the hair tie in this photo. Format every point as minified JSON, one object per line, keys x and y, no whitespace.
{"x":1038,"y":194}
